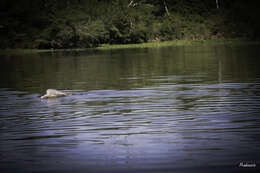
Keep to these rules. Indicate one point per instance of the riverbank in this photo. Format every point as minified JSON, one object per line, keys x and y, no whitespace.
{"x":149,"y":44}
{"x":86,"y":24}
{"x":131,"y":46}
{"x":176,"y":43}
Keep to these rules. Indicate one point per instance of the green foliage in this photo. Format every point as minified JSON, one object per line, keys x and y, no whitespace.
{"x":170,"y":28}
{"x":46,"y":24}
{"x":91,"y":34}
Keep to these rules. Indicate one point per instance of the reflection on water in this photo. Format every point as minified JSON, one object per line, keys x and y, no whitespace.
{"x":157,"y":110}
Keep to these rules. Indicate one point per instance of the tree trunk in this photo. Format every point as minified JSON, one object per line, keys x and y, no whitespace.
{"x":166,"y":8}
{"x":131,"y":2}
{"x":217,"y":4}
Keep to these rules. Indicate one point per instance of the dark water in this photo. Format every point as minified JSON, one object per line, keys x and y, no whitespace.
{"x":173,"y":109}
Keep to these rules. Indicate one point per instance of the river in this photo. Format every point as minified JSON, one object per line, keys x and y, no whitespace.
{"x":169,"y":109}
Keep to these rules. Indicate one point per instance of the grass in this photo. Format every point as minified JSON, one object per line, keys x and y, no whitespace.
{"x":102,"y":47}
{"x":147,"y":45}
{"x":32,"y":51}
{"x":23,"y":51}
{"x":127,"y":46}
{"x":175,"y":43}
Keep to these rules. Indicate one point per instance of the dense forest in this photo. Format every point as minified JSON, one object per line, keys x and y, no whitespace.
{"x":45,"y":24}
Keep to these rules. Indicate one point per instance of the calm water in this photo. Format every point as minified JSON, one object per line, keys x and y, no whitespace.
{"x":172,"y":109}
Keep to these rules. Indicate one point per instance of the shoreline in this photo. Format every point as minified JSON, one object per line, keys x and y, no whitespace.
{"x":155,"y":44}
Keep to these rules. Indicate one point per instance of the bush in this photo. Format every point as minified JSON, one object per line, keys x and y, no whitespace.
{"x":170,"y":28}
{"x":139,"y":34}
{"x":85,"y":24}
{"x":41,"y":44}
{"x":91,"y":34}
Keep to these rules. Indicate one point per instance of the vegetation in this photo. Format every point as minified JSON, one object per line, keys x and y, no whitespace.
{"x":65,"y":24}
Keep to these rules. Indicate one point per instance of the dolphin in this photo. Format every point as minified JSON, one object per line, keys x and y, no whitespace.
{"x":53,"y":93}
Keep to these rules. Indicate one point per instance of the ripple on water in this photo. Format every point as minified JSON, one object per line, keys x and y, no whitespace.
{"x":184,"y":118}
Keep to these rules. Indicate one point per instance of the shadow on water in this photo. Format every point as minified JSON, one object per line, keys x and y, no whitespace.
{"x":181,"y":109}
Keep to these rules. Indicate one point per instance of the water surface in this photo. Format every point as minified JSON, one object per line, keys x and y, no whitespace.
{"x":171,"y":109}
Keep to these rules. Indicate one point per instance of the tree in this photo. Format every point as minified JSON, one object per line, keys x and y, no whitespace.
{"x":166,"y":8}
{"x":217,"y":4}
